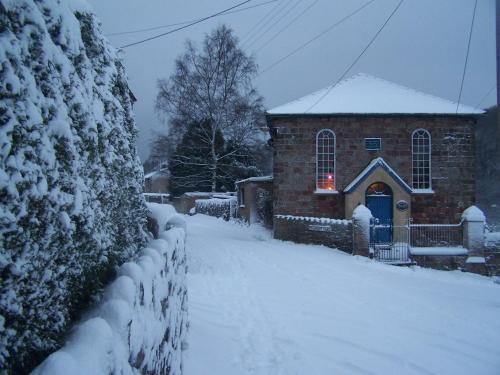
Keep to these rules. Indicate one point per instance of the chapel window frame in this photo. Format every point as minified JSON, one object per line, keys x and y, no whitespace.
{"x":326,"y":144}
{"x":421,"y":163}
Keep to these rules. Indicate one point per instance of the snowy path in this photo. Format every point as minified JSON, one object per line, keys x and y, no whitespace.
{"x":262,"y":306}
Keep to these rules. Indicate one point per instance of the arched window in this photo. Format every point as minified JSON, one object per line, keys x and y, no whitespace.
{"x":325,"y":160}
{"x":421,"y":159}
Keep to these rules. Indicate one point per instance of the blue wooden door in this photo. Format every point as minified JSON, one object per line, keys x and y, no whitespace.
{"x":379,"y":201}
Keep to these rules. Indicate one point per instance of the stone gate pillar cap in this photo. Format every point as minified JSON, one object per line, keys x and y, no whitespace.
{"x":473,"y":214}
{"x":362,"y":212}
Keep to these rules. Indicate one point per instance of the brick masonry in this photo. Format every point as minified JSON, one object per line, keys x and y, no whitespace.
{"x":335,"y":235}
{"x":452,"y":161}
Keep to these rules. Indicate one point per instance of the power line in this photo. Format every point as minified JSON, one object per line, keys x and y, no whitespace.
{"x":485,"y":96}
{"x":302,"y":46}
{"x":359,"y":56}
{"x":186,"y":26}
{"x":287,"y":26}
{"x":274,"y":24}
{"x":259,"y":22}
{"x":186,"y":22}
{"x":267,"y":22}
{"x":466,"y":56}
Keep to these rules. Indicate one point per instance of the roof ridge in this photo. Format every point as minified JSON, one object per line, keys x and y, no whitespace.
{"x":360,"y":79}
{"x":325,"y":88}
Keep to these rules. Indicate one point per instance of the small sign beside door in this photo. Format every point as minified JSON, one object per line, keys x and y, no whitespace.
{"x":402,"y":205}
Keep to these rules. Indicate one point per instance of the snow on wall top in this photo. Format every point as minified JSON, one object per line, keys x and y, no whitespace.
{"x":363,"y":94}
{"x":321,"y":220}
{"x":197,"y":194}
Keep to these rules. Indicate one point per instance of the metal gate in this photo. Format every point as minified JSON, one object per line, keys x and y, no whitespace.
{"x":390,"y":243}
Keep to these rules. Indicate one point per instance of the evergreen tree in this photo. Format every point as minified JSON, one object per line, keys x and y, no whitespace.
{"x":238,"y":164}
{"x":190,"y":164}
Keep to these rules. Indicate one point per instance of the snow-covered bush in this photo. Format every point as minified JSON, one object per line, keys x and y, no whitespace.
{"x":140,"y":325}
{"x":218,"y":207}
{"x":70,"y":181}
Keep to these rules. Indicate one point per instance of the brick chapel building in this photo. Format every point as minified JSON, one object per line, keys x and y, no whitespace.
{"x":368,"y":141}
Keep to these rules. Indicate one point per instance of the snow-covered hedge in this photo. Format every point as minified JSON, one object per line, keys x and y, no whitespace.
{"x":218,"y":207}
{"x":70,"y":180}
{"x":140,"y":325}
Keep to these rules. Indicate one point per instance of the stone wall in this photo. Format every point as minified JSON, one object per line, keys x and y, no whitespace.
{"x":452,"y":162}
{"x":140,"y":325}
{"x":440,"y":262}
{"x":311,"y":230}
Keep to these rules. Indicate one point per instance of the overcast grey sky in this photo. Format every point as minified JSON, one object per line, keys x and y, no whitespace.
{"x":423,"y":46}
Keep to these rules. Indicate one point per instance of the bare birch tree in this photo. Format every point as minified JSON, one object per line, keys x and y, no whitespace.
{"x":213,"y":86}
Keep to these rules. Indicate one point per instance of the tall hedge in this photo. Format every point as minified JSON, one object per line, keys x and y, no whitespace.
{"x":71,"y":207}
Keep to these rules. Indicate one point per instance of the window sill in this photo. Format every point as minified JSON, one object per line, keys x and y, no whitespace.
{"x":423,"y":191}
{"x":325,"y":192}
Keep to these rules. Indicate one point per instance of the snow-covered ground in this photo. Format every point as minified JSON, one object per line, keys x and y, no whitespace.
{"x":262,"y":306}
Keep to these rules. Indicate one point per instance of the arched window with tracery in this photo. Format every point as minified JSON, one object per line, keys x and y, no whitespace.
{"x":325,"y":160}
{"x":421,"y":159}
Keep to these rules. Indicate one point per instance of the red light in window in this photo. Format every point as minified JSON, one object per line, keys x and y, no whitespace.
{"x":328,"y":182}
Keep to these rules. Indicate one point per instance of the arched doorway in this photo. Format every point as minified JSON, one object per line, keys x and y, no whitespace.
{"x":378,"y":199}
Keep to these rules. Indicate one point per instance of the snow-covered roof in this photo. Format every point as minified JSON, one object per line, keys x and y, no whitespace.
{"x":255,"y":179}
{"x":374,"y":164}
{"x":160,"y":173}
{"x":365,"y":94}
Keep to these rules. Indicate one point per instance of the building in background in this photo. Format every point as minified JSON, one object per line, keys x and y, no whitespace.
{"x":255,"y":196}
{"x":402,"y":153}
{"x":157,"y":181}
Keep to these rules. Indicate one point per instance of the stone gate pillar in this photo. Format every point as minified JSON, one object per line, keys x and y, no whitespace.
{"x":361,"y":230}
{"x":474,"y":223}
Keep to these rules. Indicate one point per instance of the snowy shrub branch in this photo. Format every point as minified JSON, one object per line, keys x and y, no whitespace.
{"x":70,"y":178}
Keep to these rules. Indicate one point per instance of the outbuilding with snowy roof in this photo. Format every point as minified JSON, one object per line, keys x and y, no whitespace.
{"x":402,"y":153}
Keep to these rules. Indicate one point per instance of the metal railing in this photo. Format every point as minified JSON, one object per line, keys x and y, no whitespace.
{"x":392,"y":243}
{"x":435,"y":235}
